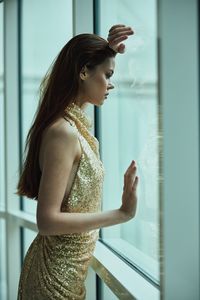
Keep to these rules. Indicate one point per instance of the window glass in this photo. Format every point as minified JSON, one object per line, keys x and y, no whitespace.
{"x":2,"y":159}
{"x":43,"y":36}
{"x":106,"y":292}
{"x":28,"y":237}
{"x":2,"y":261}
{"x":129,"y":130}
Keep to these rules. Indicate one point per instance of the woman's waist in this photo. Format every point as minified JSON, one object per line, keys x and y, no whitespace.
{"x":87,"y":236}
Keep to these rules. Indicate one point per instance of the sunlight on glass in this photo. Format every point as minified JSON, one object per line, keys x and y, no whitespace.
{"x":129,"y":130}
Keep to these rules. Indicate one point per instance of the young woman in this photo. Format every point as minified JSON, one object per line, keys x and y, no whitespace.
{"x":64,"y":173}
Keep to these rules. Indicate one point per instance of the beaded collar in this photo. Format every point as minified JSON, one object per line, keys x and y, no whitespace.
{"x":78,"y":115}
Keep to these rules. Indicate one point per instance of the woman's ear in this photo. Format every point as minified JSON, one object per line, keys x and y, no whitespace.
{"x":84,"y":73}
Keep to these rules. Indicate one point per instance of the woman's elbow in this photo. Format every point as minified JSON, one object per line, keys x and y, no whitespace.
{"x":43,"y":226}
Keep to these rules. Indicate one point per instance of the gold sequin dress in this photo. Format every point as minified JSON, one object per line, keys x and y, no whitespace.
{"x":55,"y":267}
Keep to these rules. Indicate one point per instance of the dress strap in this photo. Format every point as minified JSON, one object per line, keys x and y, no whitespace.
{"x":69,"y":120}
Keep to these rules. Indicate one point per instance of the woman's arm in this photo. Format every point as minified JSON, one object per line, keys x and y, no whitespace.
{"x":60,"y":151}
{"x":64,"y":223}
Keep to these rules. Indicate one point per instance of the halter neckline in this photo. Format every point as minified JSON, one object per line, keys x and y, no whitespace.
{"x":79,"y":115}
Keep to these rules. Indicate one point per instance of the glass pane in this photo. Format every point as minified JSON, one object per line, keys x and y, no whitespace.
{"x":2,"y":159}
{"x":2,"y":261}
{"x":29,"y":236}
{"x":106,"y":292}
{"x":43,"y":36}
{"x":129,"y":121}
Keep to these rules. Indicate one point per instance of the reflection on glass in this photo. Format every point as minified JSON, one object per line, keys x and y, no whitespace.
{"x":2,"y":159}
{"x":129,"y":130}
{"x":43,"y":36}
{"x":2,"y":261}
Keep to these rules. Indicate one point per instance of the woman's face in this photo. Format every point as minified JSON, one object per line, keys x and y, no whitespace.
{"x":96,"y":84}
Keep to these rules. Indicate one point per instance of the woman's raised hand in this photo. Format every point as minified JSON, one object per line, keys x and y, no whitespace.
{"x":129,"y":196}
{"x":116,"y":35}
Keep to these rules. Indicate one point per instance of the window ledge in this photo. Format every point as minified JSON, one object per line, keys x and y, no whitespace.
{"x":123,"y":280}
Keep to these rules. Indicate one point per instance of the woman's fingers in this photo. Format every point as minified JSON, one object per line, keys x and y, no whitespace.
{"x":129,"y":177}
{"x":117,"y":34}
{"x":135,"y":183}
{"x":122,"y":31}
{"x":129,"y":196}
{"x":116,"y":26}
{"x":118,"y":40}
{"x":126,"y":176}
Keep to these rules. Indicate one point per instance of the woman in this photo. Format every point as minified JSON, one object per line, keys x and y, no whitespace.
{"x":64,"y":173}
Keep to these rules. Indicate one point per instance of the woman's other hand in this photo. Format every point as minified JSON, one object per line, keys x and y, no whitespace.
{"x":129,"y":196}
{"x":116,"y":35}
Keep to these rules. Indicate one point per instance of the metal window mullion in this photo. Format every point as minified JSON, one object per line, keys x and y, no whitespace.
{"x":11,"y":115}
{"x":83,"y":22}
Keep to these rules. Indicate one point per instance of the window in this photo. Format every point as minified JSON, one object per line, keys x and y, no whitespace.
{"x":2,"y":164}
{"x":29,"y":236}
{"x":3,"y":270}
{"x":43,"y":36}
{"x":129,"y":130}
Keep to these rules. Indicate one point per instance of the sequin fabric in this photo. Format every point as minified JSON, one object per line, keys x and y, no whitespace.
{"x":55,"y":267}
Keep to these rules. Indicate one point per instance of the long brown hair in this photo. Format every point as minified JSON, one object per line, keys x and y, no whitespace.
{"x":57,"y":90}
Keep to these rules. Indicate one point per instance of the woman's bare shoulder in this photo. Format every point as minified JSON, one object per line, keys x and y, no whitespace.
{"x":60,"y":135}
{"x":61,"y":129}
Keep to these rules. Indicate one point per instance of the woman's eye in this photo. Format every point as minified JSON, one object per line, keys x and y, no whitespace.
{"x":108,"y":76}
